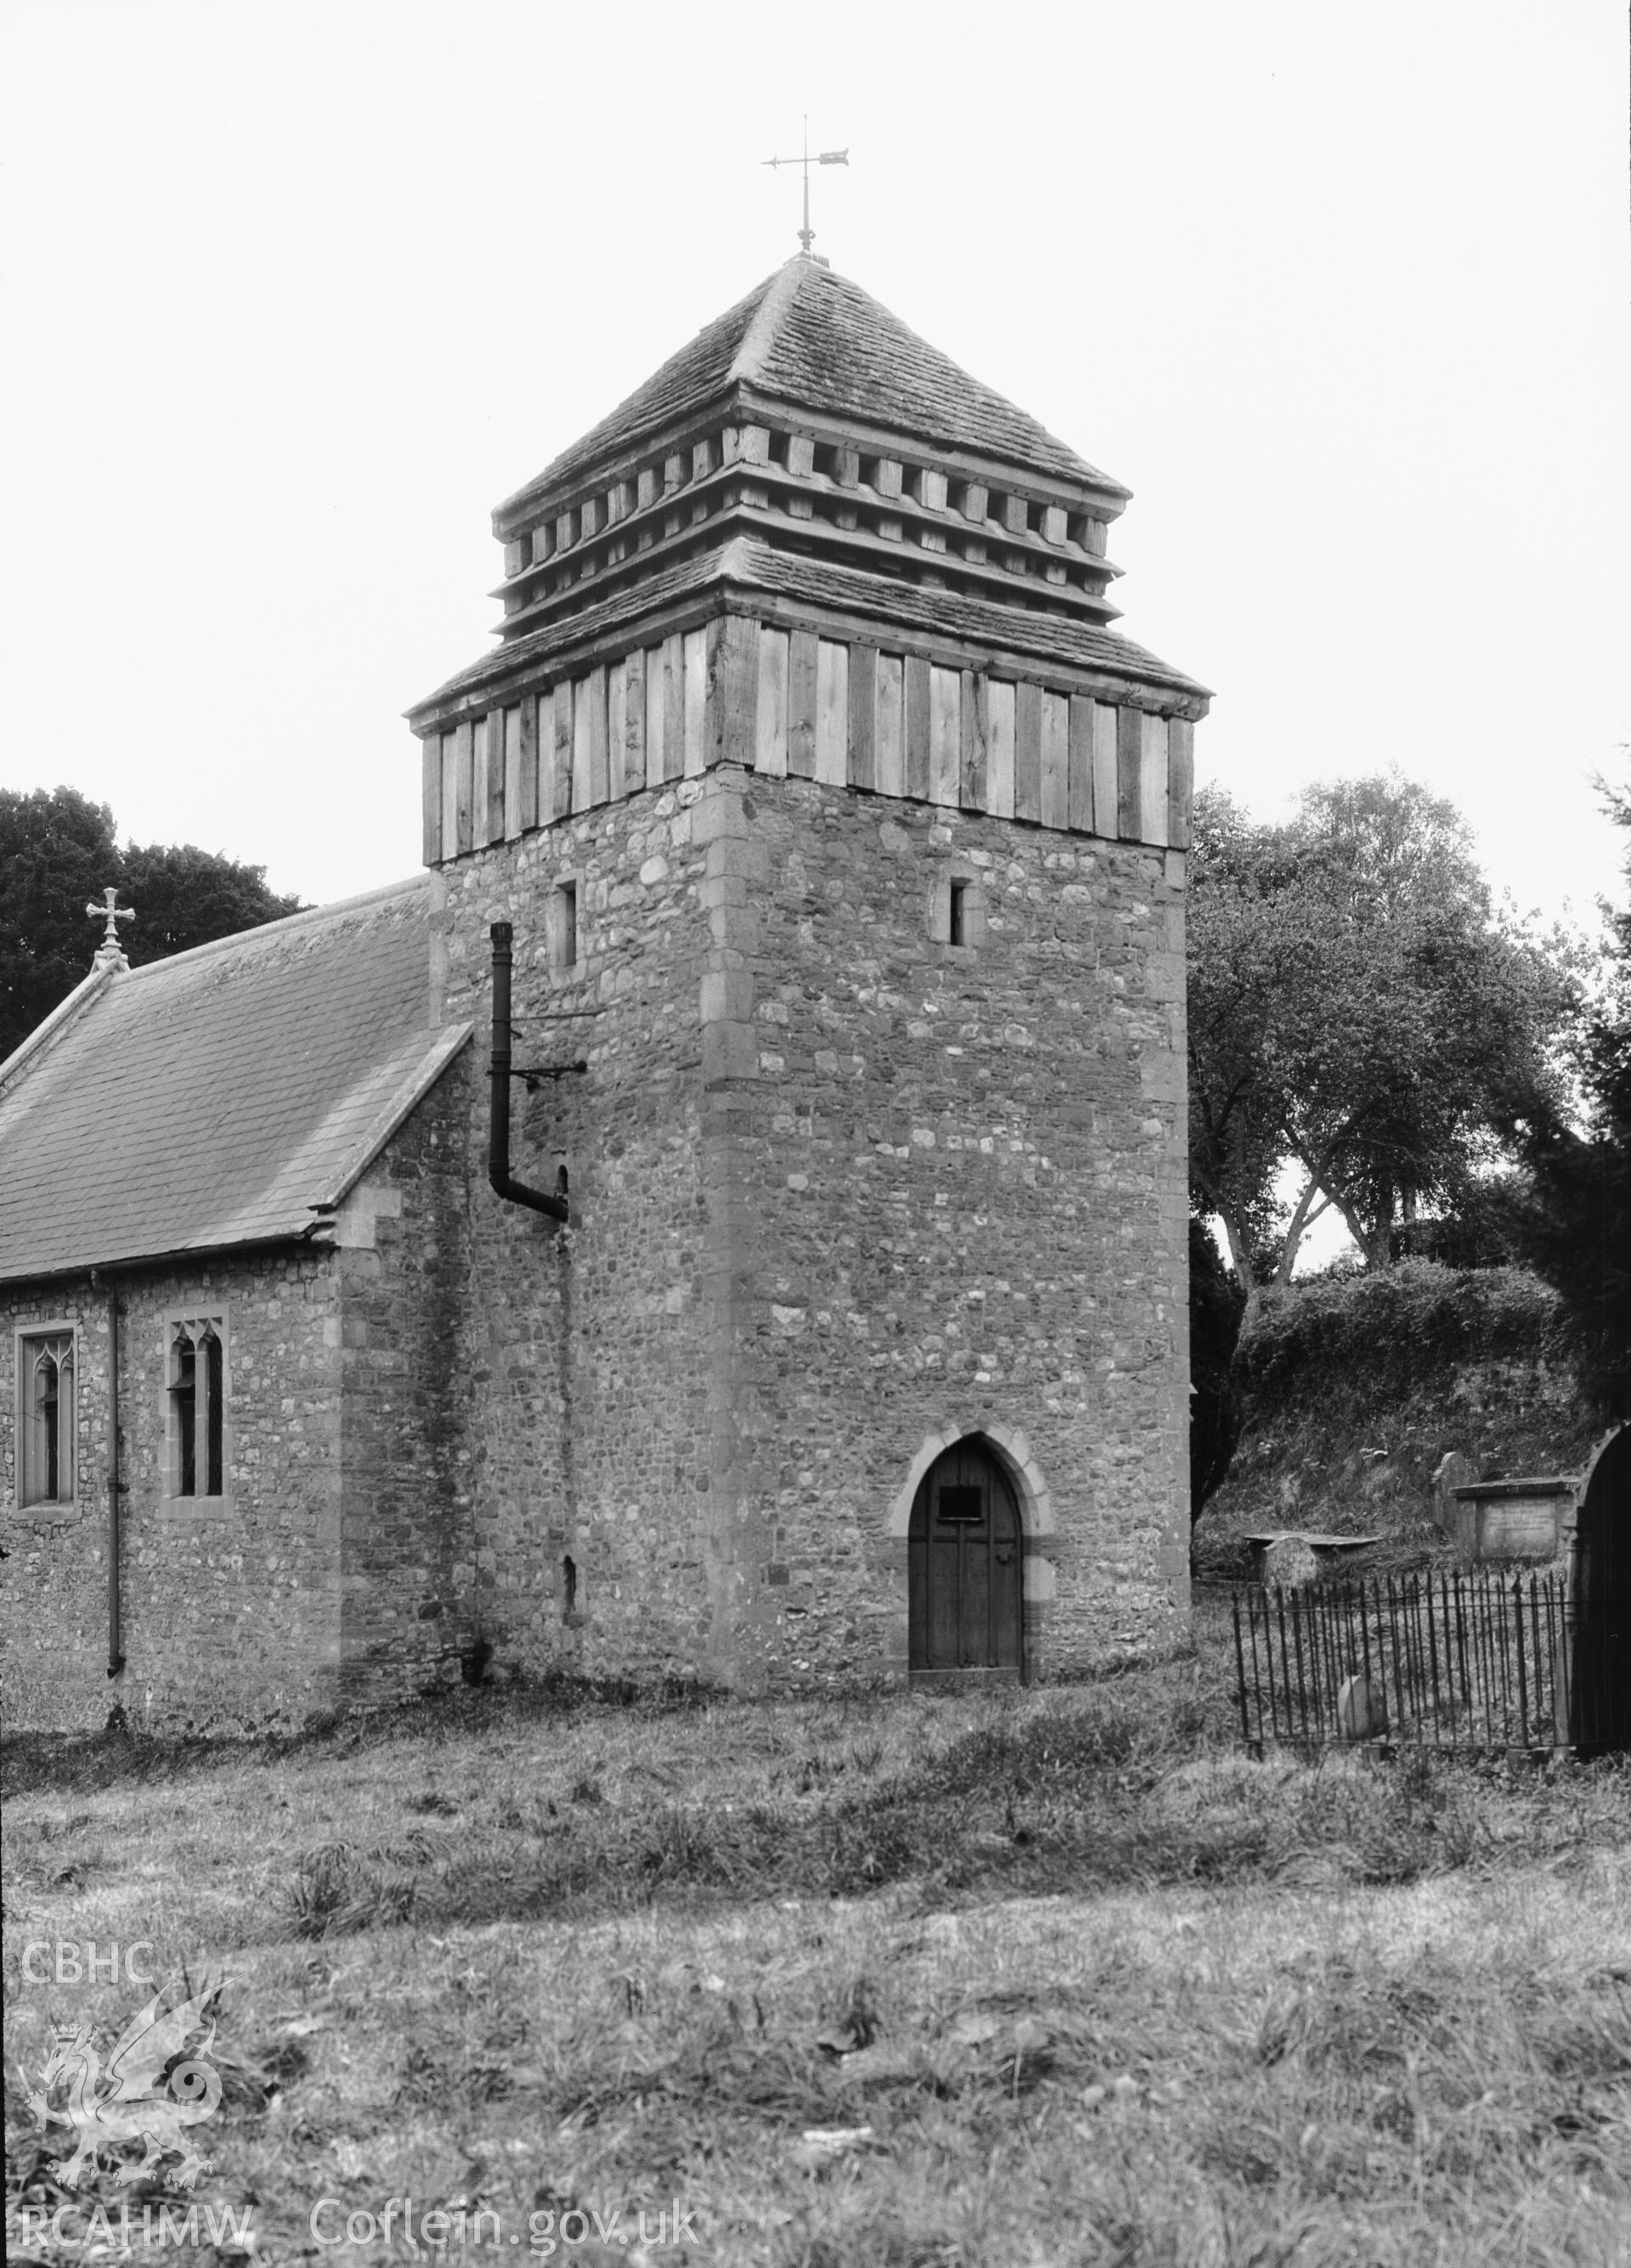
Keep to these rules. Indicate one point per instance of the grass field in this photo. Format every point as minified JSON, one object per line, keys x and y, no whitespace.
{"x":1058,"y":1978}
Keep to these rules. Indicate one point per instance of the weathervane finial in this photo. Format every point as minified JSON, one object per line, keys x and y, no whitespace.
{"x":806,"y":235}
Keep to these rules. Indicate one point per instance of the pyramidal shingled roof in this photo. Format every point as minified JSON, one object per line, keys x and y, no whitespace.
{"x":810,"y":338}
{"x":224,"y":1096}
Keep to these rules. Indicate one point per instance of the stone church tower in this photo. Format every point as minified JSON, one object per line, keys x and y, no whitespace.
{"x":842,"y":842}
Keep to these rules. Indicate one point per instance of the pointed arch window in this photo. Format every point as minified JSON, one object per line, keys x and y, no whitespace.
{"x":197,"y":1383}
{"x":45,"y":1364}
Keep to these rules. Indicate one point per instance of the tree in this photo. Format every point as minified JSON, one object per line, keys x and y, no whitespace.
{"x":1360,"y":1010}
{"x":1577,"y":1224}
{"x":1241,"y":952}
{"x":1216,"y":1305}
{"x":58,"y":850}
{"x":184,"y":896}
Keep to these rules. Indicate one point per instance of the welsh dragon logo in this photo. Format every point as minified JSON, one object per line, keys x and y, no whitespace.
{"x":146,"y":2092}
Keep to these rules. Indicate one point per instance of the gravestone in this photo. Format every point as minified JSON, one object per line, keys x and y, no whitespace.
{"x":1289,"y":1560}
{"x":1362,"y":1712}
{"x":1513,"y":1519}
{"x":1453,"y":1471}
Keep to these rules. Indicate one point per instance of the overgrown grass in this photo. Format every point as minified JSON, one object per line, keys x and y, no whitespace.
{"x":1356,"y":1384}
{"x":1067,"y":1976}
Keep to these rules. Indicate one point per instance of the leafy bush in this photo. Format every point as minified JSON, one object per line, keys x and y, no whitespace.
{"x":1396,"y":1324}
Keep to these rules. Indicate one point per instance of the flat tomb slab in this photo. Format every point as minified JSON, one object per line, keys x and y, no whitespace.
{"x":1494,"y":1492}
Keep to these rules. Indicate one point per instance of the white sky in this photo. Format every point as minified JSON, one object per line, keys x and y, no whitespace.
{"x":295,"y":293}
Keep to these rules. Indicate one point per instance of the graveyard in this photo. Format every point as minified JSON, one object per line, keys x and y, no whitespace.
{"x":859,"y":1978}
{"x":1071,"y":1970}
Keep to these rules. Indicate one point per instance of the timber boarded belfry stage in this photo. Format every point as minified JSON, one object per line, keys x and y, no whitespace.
{"x":811,"y":1309}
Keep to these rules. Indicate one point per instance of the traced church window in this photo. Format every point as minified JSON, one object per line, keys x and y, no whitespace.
{"x":47,"y":1381}
{"x":197,"y":1405}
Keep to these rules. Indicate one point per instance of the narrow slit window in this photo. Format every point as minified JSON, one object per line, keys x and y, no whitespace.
{"x":957,"y":914}
{"x":566,"y":924}
{"x":48,"y":1415}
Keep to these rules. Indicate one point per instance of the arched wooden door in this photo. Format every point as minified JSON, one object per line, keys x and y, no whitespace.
{"x":965,"y":1571}
{"x":1600,"y":1685}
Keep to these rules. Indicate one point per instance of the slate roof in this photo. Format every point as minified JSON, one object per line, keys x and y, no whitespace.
{"x":810,"y":338}
{"x":750,"y":564}
{"x":217,"y":1098}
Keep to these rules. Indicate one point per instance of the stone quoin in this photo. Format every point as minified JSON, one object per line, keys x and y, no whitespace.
{"x":843,"y":1336}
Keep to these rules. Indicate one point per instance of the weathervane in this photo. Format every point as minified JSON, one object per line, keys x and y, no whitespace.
{"x":806,"y":235}
{"x":110,"y":952}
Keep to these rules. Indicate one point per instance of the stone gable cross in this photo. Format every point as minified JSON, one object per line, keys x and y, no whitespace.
{"x":110,"y":952}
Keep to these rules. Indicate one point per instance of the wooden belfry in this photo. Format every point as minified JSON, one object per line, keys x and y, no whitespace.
{"x":757,"y":560}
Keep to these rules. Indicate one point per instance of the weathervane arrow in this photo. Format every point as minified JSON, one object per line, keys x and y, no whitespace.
{"x":806,"y":235}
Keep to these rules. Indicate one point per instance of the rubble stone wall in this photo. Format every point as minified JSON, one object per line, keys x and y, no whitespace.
{"x":588,"y":1347}
{"x":959,"y":1173}
{"x":230,"y":1605}
{"x":841,"y":1188}
{"x":411,"y":1474}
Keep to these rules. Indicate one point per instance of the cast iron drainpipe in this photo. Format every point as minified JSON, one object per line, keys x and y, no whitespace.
{"x":498,"y":1141}
{"x":116,"y":1487}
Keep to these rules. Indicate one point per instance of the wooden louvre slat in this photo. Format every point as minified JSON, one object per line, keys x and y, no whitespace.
{"x":916,"y":728}
{"x":832,"y":713}
{"x":945,"y":736}
{"x":771,"y":716}
{"x":802,"y":671}
{"x":431,"y":774}
{"x":1027,"y":750}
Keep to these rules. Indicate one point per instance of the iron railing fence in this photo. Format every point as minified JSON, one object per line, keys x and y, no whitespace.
{"x":1462,"y":1661}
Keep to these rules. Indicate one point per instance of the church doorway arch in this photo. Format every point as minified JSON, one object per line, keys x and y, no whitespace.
{"x":1600,"y":1685}
{"x":965,"y":1572}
